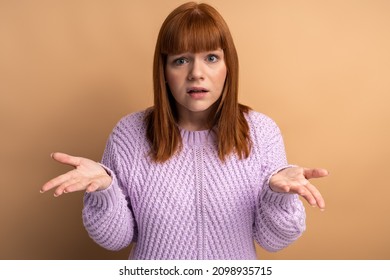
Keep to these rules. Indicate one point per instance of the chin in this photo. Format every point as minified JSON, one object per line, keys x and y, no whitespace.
{"x":199,"y":109}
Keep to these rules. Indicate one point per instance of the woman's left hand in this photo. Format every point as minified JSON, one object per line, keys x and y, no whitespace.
{"x":296,"y":180}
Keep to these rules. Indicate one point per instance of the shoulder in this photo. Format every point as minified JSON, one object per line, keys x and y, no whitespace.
{"x":132,"y":121}
{"x":131,"y":126}
{"x":260,"y":123}
{"x":263,"y":130}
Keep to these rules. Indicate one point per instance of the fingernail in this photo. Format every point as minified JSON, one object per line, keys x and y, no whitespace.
{"x":322,"y":209}
{"x":41,"y":191}
{"x":51,"y":155}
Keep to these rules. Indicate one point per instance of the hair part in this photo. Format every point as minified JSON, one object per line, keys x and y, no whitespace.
{"x":194,"y":27}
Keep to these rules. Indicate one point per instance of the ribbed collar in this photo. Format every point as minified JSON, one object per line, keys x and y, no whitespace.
{"x":197,"y":138}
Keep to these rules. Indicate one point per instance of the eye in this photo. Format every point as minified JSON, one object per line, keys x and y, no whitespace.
{"x":180,"y":61}
{"x":212,"y":58}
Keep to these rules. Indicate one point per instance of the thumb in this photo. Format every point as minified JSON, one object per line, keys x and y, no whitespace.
{"x":66,"y":159}
{"x":310,"y":173}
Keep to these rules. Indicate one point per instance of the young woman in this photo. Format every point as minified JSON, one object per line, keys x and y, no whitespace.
{"x":198,"y":175}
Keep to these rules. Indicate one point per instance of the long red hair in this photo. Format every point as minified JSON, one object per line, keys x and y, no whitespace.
{"x":195,"y":28}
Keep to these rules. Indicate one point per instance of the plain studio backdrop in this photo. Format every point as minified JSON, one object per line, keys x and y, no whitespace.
{"x":69,"y":70}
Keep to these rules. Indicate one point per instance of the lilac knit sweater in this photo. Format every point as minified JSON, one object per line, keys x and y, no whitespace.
{"x":193,"y":206}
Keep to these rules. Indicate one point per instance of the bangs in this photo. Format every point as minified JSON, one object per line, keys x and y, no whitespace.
{"x":193,"y":31}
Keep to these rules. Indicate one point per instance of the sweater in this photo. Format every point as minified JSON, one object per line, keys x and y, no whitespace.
{"x":193,"y":206}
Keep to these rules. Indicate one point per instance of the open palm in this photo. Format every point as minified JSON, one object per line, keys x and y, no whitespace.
{"x":296,"y":180}
{"x":88,"y":175}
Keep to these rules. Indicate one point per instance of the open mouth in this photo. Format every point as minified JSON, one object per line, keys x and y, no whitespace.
{"x":196,"y":90}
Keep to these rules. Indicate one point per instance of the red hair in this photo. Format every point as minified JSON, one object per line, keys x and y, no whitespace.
{"x":195,"y":28}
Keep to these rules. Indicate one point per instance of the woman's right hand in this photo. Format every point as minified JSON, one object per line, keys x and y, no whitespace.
{"x":88,"y":175}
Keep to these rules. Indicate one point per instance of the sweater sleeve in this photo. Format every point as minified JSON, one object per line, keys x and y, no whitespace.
{"x":280,"y":217}
{"x":107,"y":214}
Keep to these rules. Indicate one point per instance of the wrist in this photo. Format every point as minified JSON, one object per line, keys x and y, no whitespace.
{"x":106,"y":178}
{"x":268,"y":182}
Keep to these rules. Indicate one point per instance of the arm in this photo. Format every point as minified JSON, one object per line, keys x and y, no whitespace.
{"x":280,"y":219}
{"x":107,"y":214}
{"x":280,"y":215}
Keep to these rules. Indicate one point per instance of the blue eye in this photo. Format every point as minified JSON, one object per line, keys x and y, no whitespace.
{"x":180,"y":61}
{"x":212,"y":58}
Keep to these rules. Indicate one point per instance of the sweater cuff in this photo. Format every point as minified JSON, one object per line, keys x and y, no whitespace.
{"x":106,"y":199}
{"x":270,"y":196}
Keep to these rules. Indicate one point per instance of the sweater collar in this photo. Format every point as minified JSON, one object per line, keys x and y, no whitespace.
{"x":197,"y":138}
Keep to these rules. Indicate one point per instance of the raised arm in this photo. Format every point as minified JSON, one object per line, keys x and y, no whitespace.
{"x":280,"y":215}
{"x":107,"y":214}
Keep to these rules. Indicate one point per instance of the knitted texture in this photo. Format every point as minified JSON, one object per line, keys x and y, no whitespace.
{"x":193,"y":206}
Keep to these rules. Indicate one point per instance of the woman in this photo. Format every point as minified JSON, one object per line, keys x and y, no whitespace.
{"x":198,"y":175}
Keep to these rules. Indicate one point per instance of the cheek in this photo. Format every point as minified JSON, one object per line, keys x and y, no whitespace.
{"x":172,"y":79}
{"x":221,"y":76}
{"x":172,"y":83}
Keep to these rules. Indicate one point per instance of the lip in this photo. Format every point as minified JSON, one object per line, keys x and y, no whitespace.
{"x":197,"y":90}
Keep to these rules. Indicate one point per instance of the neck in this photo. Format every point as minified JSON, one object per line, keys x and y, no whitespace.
{"x":193,"y":121}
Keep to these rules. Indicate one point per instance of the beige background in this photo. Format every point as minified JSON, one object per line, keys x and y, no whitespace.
{"x":69,"y":70}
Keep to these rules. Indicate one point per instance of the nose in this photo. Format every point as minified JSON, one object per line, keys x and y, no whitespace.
{"x":195,"y":71}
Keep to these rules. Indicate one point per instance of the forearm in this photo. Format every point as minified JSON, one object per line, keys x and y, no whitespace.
{"x":280,"y":220}
{"x":107,"y":218}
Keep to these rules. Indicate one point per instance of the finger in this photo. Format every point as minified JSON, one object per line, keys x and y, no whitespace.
{"x":76,"y":186}
{"x":310,"y":173}
{"x":94,"y":186}
{"x":66,"y":159}
{"x":66,"y":187}
{"x":305,"y":193}
{"x":55,"y":182}
{"x":317,"y":196}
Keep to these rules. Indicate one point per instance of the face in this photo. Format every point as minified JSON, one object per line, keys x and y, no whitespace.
{"x":196,"y":81}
